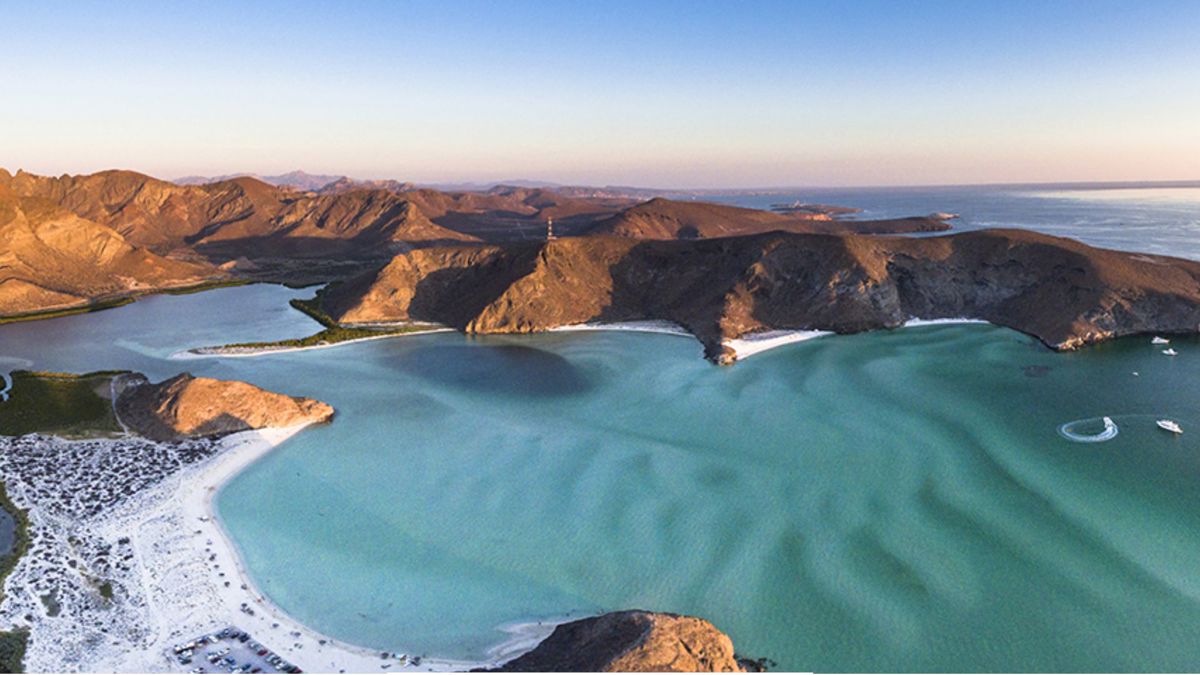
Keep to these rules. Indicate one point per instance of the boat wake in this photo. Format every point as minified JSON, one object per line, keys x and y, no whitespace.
{"x":1072,"y":430}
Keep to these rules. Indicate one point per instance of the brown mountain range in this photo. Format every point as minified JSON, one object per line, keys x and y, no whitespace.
{"x":1064,"y":292}
{"x":161,"y":234}
{"x":51,"y":258}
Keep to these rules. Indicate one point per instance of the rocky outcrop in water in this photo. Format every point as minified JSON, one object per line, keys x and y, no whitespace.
{"x":190,"y":407}
{"x":1064,"y":292}
{"x":631,"y":641}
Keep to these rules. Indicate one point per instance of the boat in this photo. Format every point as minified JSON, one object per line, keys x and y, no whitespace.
{"x":1160,"y":341}
{"x":1170,"y":352}
{"x":1109,"y":432}
{"x":1170,"y":425}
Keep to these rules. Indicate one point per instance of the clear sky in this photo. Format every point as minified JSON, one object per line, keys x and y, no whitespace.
{"x":672,"y":94}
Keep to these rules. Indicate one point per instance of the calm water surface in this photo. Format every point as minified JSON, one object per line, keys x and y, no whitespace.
{"x":892,"y":501}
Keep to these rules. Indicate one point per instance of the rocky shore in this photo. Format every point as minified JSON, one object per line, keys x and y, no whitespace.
{"x":632,"y":641}
{"x":1061,"y":291}
{"x":186,"y":406}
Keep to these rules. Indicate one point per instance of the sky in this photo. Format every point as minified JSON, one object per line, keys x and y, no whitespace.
{"x":614,"y":92}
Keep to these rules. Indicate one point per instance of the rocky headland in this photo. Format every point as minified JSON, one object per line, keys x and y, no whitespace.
{"x":1064,"y":292}
{"x":631,"y":641}
{"x":186,"y":406}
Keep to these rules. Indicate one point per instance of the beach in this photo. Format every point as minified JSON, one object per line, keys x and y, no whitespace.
{"x":181,"y":575}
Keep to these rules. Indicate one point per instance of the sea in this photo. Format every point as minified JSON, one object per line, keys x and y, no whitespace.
{"x":906,"y":500}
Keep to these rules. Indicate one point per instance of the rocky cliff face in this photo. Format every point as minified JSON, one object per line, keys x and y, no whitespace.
{"x":632,"y":641}
{"x":188,"y":407}
{"x":1061,"y":291}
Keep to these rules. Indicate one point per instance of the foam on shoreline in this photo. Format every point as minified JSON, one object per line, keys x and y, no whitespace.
{"x":756,"y":343}
{"x":649,"y":326}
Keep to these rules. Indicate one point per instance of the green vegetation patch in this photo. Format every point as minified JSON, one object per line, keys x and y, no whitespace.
{"x":55,"y":313}
{"x":111,"y":303}
{"x":59,"y":403}
{"x":12,"y":643}
{"x":206,"y":286}
{"x":332,"y":334}
{"x":12,"y":651}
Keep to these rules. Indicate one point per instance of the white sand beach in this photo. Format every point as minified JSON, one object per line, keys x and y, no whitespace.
{"x":183,"y":578}
{"x":756,"y":343}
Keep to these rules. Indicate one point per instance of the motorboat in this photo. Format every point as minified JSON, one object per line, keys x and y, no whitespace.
{"x":1109,"y":432}
{"x":1170,"y":425}
{"x":1160,"y":341}
{"x":1170,"y":352}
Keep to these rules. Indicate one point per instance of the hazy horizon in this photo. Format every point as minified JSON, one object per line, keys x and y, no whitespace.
{"x":670,"y":96}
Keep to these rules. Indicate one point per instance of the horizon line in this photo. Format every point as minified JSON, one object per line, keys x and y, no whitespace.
{"x":772,"y":189}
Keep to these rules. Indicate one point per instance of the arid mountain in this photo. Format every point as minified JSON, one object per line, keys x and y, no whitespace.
{"x":662,"y":218}
{"x":630,"y":642}
{"x":1064,"y":292}
{"x":51,"y":258}
{"x":345,"y":184}
{"x":188,"y":407}
{"x":240,"y":217}
{"x":297,"y":180}
{"x":283,"y":234}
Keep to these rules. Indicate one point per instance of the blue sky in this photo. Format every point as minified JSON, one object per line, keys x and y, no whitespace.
{"x":681,"y":94}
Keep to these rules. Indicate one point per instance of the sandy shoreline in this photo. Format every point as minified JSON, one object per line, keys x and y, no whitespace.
{"x":246,"y":352}
{"x":743,"y":347}
{"x":756,"y":343}
{"x":185,"y":579}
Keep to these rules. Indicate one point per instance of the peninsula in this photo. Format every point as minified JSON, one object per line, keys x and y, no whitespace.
{"x":1061,"y":291}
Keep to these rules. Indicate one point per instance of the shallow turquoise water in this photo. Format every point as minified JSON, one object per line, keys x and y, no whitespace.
{"x":896,"y":501}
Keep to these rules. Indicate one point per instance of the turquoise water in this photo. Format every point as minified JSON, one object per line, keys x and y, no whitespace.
{"x":890,"y":501}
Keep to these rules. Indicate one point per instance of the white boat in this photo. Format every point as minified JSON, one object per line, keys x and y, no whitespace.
{"x":1170,"y":426}
{"x":1109,"y":425}
{"x":1170,"y":352}
{"x":1160,"y":341}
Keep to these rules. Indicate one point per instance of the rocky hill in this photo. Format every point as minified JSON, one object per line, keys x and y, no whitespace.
{"x":662,"y":218}
{"x":240,"y":217}
{"x":632,"y":641}
{"x":1064,"y":292}
{"x":52,"y":258}
{"x":187,"y":407}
